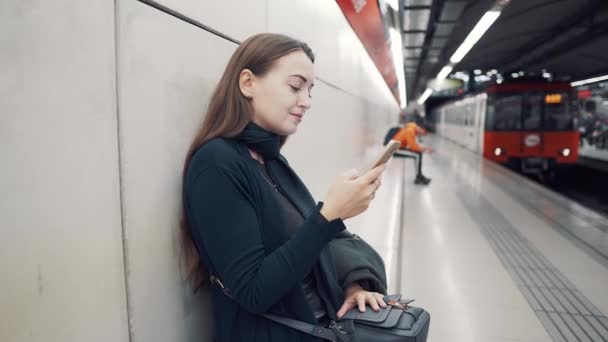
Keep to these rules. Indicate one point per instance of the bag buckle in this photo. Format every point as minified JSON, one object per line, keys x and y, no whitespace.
{"x":342,"y":330}
{"x":397,"y":304}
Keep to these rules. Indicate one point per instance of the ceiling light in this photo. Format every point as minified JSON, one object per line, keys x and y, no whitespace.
{"x":445,"y":71}
{"x":462,"y":76}
{"x":482,"y":26}
{"x":589,"y":80}
{"x":477,"y":72}
{"x":424,"y":96}
{"x":397,"y":50}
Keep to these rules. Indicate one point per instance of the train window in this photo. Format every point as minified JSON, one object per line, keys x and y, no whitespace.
{"x":532,"y":111}
{"x":557,"y":115}
{"x":507,"y":113}
{"x":489,"y":123}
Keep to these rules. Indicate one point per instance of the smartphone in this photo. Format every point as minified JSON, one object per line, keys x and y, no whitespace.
{"x":387,"y":153}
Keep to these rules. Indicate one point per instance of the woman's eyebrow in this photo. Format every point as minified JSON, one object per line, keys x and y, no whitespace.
{"x":312,"y":84}
{"x":300,"y":76}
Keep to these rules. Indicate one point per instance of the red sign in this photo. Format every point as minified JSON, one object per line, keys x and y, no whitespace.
{"x":584,"y":94}
{"x":366,"y":20}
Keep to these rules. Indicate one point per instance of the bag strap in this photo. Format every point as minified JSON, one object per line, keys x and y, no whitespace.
{"x":334,"y":334}
{"x":304,"y":327}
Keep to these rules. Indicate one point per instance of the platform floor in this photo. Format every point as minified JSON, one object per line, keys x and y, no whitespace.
{"x":495,"y":257}
{"x":593,"y":153}
{"x":594,"y":158}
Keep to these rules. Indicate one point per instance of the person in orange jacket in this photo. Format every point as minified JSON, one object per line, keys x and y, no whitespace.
{"x":407,"y":136}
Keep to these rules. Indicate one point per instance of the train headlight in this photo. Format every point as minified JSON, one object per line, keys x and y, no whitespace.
{"x":497,"y":151}
{"x":566,"y":152}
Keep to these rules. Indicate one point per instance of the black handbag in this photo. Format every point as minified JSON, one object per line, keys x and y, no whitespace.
{"x":397,"y":322}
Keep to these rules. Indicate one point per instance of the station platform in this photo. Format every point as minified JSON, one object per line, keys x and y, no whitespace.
{"x":593,"y":152}
{"x":492,"y":255}
{"x":593,"y":157}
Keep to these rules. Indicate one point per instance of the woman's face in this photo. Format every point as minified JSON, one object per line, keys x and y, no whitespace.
{"x":281,"y":97}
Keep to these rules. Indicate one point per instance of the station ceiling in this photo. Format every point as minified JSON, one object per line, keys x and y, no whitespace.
{"x":568,"y":38}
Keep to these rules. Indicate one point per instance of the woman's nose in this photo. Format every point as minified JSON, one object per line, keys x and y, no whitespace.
{"x":304,"y":100}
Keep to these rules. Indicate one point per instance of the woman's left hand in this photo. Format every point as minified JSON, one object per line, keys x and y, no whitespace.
{"x":357,"y":296}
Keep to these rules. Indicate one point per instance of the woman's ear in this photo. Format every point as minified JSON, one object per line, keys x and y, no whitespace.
{"x":246,"y":82}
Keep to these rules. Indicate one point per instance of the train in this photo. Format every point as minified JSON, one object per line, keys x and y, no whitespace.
{"x":526,"y":126}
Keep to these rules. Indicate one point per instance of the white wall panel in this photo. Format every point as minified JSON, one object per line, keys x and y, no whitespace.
{"x":61,"y":273}
{"x":238,"y":19}
{"x":322,"y":25}
{"x":167,"y":71}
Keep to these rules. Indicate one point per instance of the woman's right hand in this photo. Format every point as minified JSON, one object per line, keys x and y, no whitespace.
{"x":351,"y":194}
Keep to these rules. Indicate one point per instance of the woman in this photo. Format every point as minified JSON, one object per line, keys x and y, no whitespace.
{"x":249,"y":219}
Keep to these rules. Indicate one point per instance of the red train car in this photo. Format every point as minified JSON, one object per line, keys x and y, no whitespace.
{"x":527,"y":125}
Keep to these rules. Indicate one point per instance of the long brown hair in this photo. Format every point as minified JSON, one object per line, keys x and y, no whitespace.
{"x":228,"y":113}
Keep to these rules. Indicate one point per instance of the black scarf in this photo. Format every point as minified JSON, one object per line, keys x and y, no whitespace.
{"x":268,"y":145}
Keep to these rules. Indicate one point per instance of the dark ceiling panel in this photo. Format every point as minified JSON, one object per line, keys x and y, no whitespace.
{"x":422,"y":83}
{"x":586,"y":61}
{"x":432,"y":60}
{"x":439,"y":42}
{"x":488,"y":56}
{"x":433,"y":53}
{"x":417,"y":19}
{"x":413,"y":39}
{"x":584,"y":65}
{"x":443,"y":29}
{"x":412,"y":52}
{"x":428,"y":68}
{"x":452,"y":10}
{"x":410,"y":63}
{"x":408,"y":3}
{"x":523,"y":27}
{"x":597,"y":50}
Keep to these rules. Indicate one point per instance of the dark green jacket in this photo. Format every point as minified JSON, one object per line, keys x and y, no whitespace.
{"x":241,"y":239}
